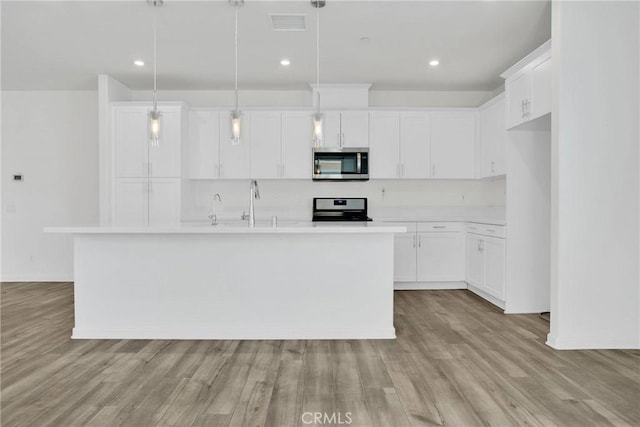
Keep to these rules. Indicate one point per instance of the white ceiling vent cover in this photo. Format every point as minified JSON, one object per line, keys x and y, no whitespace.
{"x":288,"y":22}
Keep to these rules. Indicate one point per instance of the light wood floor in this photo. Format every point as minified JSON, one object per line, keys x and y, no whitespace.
{"x":457,"y":362}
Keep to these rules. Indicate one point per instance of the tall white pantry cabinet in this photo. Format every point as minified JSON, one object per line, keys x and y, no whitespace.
{"x":146,"y":178}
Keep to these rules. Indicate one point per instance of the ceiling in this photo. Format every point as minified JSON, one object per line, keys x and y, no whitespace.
{"x":65,"y":45}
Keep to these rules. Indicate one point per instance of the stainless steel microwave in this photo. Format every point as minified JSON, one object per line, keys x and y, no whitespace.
{"x":340,"y":164}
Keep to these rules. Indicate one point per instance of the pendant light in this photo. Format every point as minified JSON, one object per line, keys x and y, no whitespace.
{"x":318,"y":117}
{"x":236,"y":125}
{"x":155,"y":115}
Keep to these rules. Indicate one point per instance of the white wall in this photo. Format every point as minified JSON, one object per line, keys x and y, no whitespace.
{"x":293,"y":199}
{"x":595,"y":183}
{"x":52,"y":139}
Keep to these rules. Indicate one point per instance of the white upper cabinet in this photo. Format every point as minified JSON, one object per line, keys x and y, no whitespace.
{"x":131,"y":141}
{"x":235,"y":159}
{"x":296,"y":145}
{"x":331,"y":129}
{"x":453,"y":140}
{"x":265,"y":145}
{"x":384,"y":144}
{"x":518,"y":91}
{"x":204,"y":144}
{"x":354,"y":127}
{"x":346,"y":129}
{"x":414,"y":145}
{"x":528,"y":87}
{"x":493,"y":137}
{"x":541,"y":87}
{"x":134,"y":154}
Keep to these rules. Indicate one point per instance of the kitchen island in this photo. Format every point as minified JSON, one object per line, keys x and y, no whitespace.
{"x":299,"y":281}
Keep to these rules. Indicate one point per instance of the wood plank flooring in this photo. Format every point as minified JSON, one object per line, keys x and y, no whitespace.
{"x":458,"y":361}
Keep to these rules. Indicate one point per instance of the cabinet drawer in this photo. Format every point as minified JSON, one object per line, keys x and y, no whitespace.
{"x":411,"y":226}
{"x":487,"y":229}
{"x":440,"y":226}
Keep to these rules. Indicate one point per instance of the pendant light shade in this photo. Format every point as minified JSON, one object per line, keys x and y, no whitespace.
{"x":235,"y":123}
{"x":317,"y":120}
{"x":154,"y":119}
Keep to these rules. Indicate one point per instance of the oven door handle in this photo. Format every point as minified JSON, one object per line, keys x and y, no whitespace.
{"x":359,"y":163}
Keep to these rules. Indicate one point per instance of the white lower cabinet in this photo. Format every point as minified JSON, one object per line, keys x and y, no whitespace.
{"x":440,"y":257}
{"x":405,"y":260}
{"x":485,"y":264}
{"x":141,"y":201}
{"x":428,"y":254}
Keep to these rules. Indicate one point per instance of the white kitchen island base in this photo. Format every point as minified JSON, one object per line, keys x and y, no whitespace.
{"x":233,"y":283}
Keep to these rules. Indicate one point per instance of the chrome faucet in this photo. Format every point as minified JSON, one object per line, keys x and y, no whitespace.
{"x":214,"y":217}
{"x":254,"y":193}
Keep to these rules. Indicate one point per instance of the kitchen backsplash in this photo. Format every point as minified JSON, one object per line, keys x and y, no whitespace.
{"x":292,"y":199}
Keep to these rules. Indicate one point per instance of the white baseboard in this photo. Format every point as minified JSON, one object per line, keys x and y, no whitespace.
{"x":415,"y":286}
{"x":56,"y":277}
{"x":493,"y":300}
{"x":591,"y":343}
{"x":235,"y":334}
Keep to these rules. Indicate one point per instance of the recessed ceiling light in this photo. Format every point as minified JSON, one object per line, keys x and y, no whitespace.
{"x":434,"y":62}
{"x":365,"y":39}
{"x":285,"y":62}
{"x":138,"y":63}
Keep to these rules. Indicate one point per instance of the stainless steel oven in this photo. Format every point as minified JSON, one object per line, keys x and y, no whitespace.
{"x":340,"y":164}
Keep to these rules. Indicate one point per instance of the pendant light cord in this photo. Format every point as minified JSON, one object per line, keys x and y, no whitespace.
{"x":155,"y":60}
{"x":318,"y":58}
{"x":236,"y":56}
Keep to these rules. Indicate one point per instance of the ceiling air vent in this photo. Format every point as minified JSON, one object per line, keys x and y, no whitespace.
{"x":287,"y":22}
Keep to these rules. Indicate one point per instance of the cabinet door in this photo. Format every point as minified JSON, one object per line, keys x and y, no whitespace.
{"x":540,"y":89}
{"x":440,"y":257}
{"x":453,"y":140}
{"x":404,"y":258}
{"x":384,"y":144}
{"x":475,"y":260}
{"x":204,"y":143}
{"x":131,"y":141}
{"x":517,"y":91}
{"x":331,"y":129}
{"x":354,"y":126}
{"x":235,"y":159}
{"x":414,"y":145}
{"x":164,"y":158}
{"x":494,"y":266}
{"x":265,"y":145}
{"x":164,"y":201}
{"x":131,"y":201}
{"x":493,"y":138}
{"x":296,"y":145}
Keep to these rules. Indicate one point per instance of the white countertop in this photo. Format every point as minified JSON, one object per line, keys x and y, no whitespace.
{"x":236,"y":228}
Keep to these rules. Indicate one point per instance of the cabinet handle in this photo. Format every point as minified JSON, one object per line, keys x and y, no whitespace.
{"x":490,"y":230}
{"x":439,"y":226}
{"x":420,"y":240}
{"x":343,"y":141}
{"x":402,"y":169}
{"x":414,"y":240}
{"x":493,"y":166}
{"x":398,"y":170}
{"x":339,"y":140}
